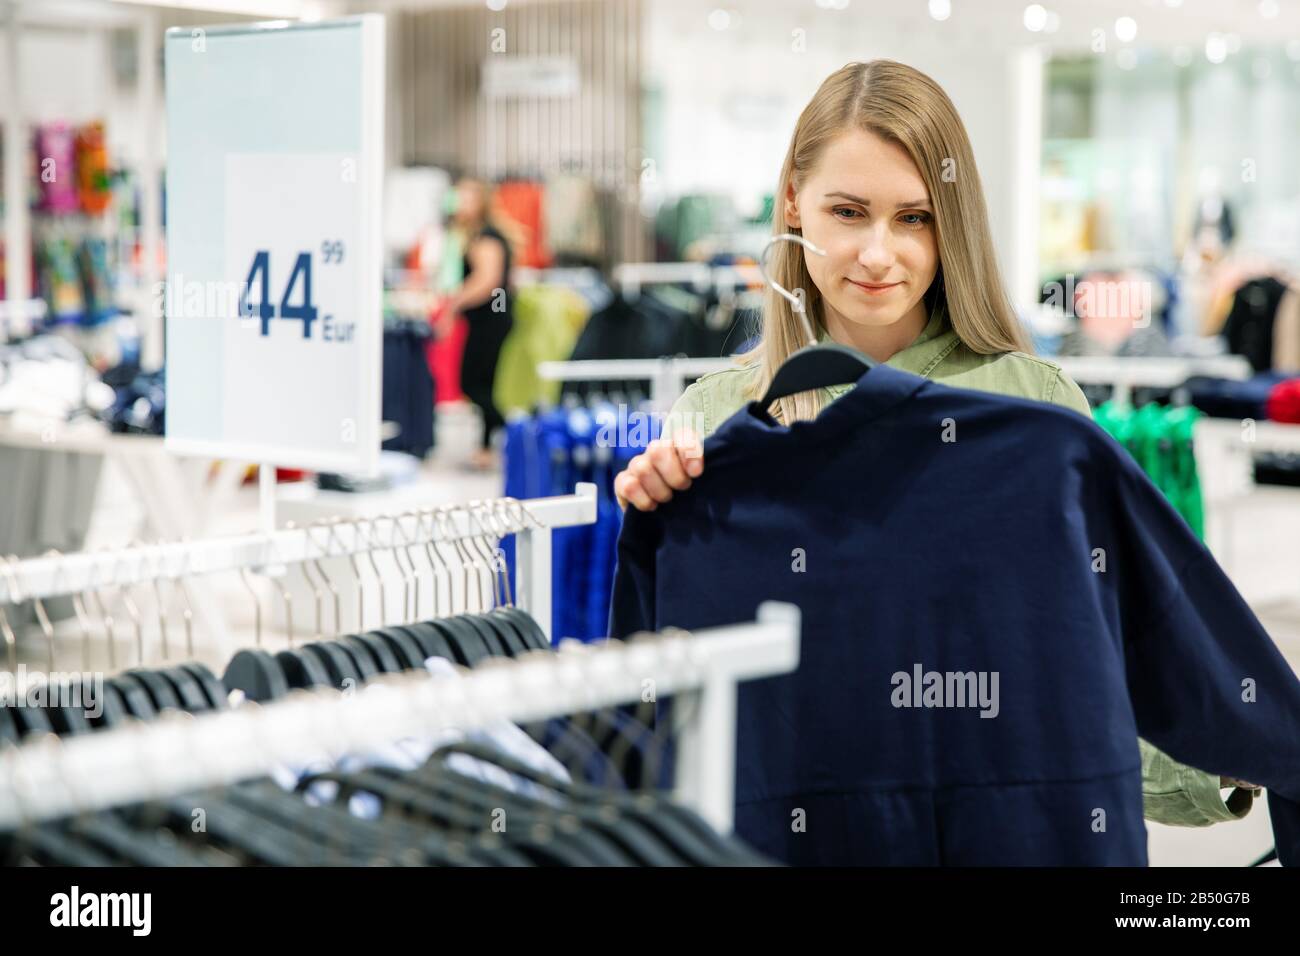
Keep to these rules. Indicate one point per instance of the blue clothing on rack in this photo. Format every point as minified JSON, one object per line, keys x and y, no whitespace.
{"x":996,"y":603}
{"x":548,"y":454}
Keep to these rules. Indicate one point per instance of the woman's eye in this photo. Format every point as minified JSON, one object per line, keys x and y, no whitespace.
{"x":852,"y":213}
{"x":915,"y":218}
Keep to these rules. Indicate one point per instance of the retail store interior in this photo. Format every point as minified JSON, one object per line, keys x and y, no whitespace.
{"x":1137,"y":158}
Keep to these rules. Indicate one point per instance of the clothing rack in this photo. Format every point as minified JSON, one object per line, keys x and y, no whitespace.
{"x":630,"y":276}
{"x":1125,"y":374}
{"x":531,"y":522}
{"x":47,"y":778}
{"x":667,"y":375}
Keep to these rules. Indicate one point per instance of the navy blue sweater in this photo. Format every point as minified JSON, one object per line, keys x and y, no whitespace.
{"x":996,"y":603}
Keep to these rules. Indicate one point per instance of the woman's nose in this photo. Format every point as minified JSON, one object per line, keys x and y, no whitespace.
{"x":875,"y":254}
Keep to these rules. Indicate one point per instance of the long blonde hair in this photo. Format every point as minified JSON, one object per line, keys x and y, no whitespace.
{"x":901,"y":104}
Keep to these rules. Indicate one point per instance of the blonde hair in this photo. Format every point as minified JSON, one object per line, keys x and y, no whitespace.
{"x":903,"y":105}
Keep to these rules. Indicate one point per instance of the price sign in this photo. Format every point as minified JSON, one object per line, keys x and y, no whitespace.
{"x":273,"y":301}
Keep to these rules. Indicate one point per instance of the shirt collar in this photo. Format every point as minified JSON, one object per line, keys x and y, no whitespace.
{"x":936,"y":340}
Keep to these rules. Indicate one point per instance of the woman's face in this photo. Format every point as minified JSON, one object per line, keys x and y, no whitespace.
{"x":469,"y":202}
{"x":866,"y":205}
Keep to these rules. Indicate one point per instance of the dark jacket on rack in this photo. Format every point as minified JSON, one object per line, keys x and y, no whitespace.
{"x":986,"y":632}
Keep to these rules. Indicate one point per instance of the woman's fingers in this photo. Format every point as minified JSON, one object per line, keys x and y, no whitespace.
{"x":690,"y":452}
{"x":629,"y":491}
{"x":667,"y":466}
{"x":664,"y":467}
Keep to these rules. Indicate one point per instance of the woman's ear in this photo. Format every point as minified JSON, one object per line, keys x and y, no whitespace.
{"x":790,"y":207}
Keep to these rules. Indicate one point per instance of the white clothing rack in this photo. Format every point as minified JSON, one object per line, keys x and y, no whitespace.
{"x":1127,"y":373}
{"x":47,"y":778}
{"x":667,"y":375}
{"x":630,"y":276}
{"x":531,"y":521}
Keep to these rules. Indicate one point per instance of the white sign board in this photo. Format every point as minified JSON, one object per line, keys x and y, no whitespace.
{"x":530,"y":76}
{"x":274,"y":287}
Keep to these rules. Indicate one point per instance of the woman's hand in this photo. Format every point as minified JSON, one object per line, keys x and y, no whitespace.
{"x":664,"y":467}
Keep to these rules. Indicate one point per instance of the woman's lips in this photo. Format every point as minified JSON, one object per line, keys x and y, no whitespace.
{"x":876,"y":288}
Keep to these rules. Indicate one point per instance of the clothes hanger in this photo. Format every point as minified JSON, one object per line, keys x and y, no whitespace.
{"x":603,"y":810}
{"x":439,"y":780}
{"x":813,"y":366}
{"x":429,"y":823}
{"x":404,"y":646}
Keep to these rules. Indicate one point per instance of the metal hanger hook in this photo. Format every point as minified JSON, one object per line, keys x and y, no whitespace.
{"x":794,"y":300}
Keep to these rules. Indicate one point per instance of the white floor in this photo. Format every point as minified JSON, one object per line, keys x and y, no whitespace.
{"x":1265,"y":563}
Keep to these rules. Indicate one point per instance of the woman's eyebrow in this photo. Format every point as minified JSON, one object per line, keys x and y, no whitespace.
{"x":867,"y":202}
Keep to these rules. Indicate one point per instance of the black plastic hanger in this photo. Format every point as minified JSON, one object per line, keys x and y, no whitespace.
{"x":339,"y":665}
{"x":135,"y":698}
{"x":302,"y":670}
{"x":510,"y":636}
{"x":466,"y":641}
{"x":160,"y":691}
{"x":380,"y":651}
{"x":432,"y":642}
{"x":113,"y":710}
{"x":529,"y":629}
{"x":32,"y":720}
{"x":257,"y":674}
{"x":9,"y":733}
{"x":187,"y":689}
{"x":405,"y":648}
{"x":492,"y":635}
{"x":68,"y":719}
{"x":366,"y":664}
{"x":218,"y":695}
{"x":814,"y":367}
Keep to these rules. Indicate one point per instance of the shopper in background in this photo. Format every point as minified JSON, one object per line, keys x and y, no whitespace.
{"x":880,"y":174}
{"x":485,"y":300}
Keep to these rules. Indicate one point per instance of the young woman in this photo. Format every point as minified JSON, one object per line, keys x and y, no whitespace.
{"x":485,"y":300}
{"x":880,"y":174}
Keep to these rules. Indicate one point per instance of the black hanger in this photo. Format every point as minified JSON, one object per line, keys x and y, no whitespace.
{"x":466,"y":641}
{"x":257,"y":674}
{"x":302,"y":670}
{"x":814,"y":367}
{"x":31,"y":720}
{"x":486,"y":798}
{"x":432,"y":642}
{"x":339,"y":665}
{"x":367,"y":666}
{"x":160,"y":691}
{"x":529,"y":629}
{"x":445,"y":795}
{"x":218,"y":696}
{"x":187,"y":689}
{"x":404,"y":647}
{"x":113,"y":710}
{"x":411,"y":810}
{"x":134,"y":697}
{"x":505,"y":627}
{"x":492,"y":635}
{"x":381,"y":652}
{"x":68,"y":719}
{"x":9,"y":733}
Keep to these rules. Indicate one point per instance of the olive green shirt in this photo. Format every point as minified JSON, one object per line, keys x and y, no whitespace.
{"x":1172,"y":793}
